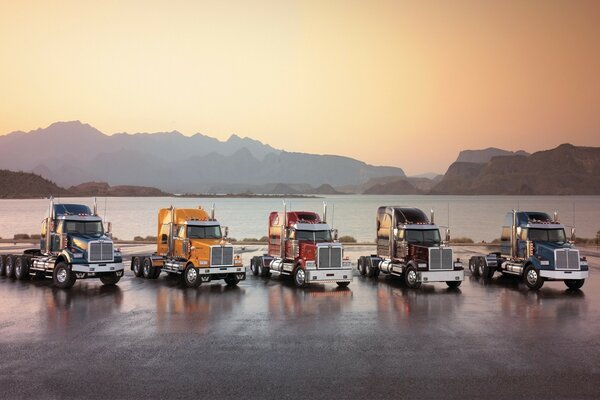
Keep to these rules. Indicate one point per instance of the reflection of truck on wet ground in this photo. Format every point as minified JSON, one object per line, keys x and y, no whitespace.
{"x":73,"y":246}
{"x":410,"y":246}
{"x":305,"y":247}
{"x":534,"y":247}
{"x":191,"y":244}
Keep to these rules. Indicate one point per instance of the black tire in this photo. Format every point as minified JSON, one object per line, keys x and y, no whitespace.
{"x":453,"y":284}
{"x":532,"y":278}
{"x":62,"y":276}
{"x":262,"y":270}
{"x":136,"y":266}
{"x":191,"y":276}
{"x":370,"y":270}
{"x":254,"y":266}
{"x":481,"y":268}
{"x":10,"y":266}
{"x":148,"y":269}
{"x":574,"y":284}
{"x":157,"y":272}
{"x":473,"y":266}
{"x":21,"y":268}
{"x":410,"y":278}
{"x":231,"y":280}
{"x":110,"y":278}
{"x":343,"y":284}
{"x":2,"y":265}
{"x":360,"y":265}
{"x":299,"y":277}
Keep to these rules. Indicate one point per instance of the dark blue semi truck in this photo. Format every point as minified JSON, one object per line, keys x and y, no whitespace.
{"x":73,"y":245}
{"x":534,"y":247}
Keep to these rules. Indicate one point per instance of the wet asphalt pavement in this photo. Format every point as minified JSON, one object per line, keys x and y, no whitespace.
{"x":267,"y":339}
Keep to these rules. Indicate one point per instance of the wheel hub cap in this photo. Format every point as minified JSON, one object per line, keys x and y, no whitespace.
{"x":532,"y":277}
{"x":192,"y":275}
{"x":412,"y":277}
{"x":300,"y":276}
{"x":62,"y":275}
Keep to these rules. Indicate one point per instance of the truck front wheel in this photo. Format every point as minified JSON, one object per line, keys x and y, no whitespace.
{"x":411,"y":278}
{"x":453,"y":284}
{"x":110,"y":278}
{"x":533,"y":280}
{"x":300,"y":277}
{"x":191,"y":277}
{"x":574,"y":284}
{"x":62,"y":276}
{"x":343,"y":284}
{"x":231,"y":280}
{"x":21,"y":268}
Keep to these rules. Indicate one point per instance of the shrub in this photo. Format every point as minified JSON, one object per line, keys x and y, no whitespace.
{"x":347,"y":239}
{"x":249,"y":240}
{"x":264,"y":239}
{"x":144,"y":239}
{"x":461,"y":240}
{"x":232,"y":240}
{"x":21,"y":236}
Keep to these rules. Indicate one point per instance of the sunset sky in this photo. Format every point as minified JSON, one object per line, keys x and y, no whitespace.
{"x":398,"y":83}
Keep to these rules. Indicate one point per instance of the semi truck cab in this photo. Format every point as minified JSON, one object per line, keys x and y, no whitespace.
{"x":535,"y":247}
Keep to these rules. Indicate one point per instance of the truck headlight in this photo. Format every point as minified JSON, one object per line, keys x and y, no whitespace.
{"x":203,"y":262}
{"x":77,"y":255}
{"x":544,"y":262}
{"x":310,"y":264}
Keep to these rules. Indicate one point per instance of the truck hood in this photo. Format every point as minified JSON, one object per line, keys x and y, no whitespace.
{"x":546,"y":249}
{"x":308,"y":250}
{"x":81,"y":241}
{"x":208,"y":242}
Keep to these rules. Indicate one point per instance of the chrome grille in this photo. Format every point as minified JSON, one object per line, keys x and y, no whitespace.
{"x":566,"y":259}
{"x":440,"y":258}
{"x":220,"y":255}
{"x":100,"y":251}
{"x":329,"y":257}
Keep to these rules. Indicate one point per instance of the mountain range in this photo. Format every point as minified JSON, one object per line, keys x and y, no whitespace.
{"x":69,"y":153}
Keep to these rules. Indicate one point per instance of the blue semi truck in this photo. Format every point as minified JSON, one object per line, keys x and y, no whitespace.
{"x":73,"y":245}
{"x":534,"y":247}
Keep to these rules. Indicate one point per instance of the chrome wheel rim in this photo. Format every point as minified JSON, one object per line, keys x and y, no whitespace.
{"x":61,"y":276}
{"x":532,"y":277}
{"x":480,"y":269}
{"x":192,"y":275}
{"x":300,"y":276}
{"x":136,"y":266}
{"x":146,"y":269}
{"x":411,"y":277}
{"x":18,"y":269}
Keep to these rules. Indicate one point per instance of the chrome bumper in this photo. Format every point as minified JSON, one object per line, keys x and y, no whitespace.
{"x":96,"y":268}
{"x":563,"y":275}
{"x":222,"y":270}
{"x":441,"y":276}
{"x":329,"y":275}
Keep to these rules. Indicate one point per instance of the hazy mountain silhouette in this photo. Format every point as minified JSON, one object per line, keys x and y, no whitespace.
{"x":70,"y":153}
{"x":485,"y":155}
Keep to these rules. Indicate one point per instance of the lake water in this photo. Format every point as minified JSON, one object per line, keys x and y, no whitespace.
{"x":477,"y":217}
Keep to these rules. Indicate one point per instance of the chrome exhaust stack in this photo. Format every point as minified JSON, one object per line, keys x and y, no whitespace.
{"x":555,"y":216}
{"x":49,"y":225}
{"x":95,"y":207}
{"x":212,"y":212}
{"x":513,"y":236}
{"x":324,"y":212}
{"x":171,"y":226}
{"x":432,"y":217}
{"x":283,"y":232}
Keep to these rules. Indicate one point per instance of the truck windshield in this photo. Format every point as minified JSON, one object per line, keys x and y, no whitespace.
{"x":547,"y":235}
{"x":314,"y":236}
{"x":204,"y":232}
{"x":423,"y":236}
{"x":93,"y":228}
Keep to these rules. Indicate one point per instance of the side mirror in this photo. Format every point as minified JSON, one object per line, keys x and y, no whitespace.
{"x":335,"y":234}
{"x":108,"y":229}
{"x":225,"y":231}
{"x":164,"y":238}
{"x":396,"y":231}
{"x":572,"y":235}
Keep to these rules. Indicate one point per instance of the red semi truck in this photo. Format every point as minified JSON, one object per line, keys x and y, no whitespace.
{"x":304,"y":246}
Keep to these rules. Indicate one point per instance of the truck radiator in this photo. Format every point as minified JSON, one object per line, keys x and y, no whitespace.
{"x":220,"y":255}
{"x":440,"y":258}
{"x":100,"y":251}
{"x":566,"y":259}
{"x":329,"y":257}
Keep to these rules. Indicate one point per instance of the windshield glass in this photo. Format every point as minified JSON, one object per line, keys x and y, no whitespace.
{"x":430,"y":236}
{"x":547,"y":235}
{"x":93,"y":228}
{"x":314,"y":236}
{"x":204,"y":232}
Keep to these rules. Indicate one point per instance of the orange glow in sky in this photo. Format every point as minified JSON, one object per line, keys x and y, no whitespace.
{"x":408,"y":84}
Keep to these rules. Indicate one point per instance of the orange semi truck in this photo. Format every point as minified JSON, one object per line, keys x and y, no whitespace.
{"x":191,"y":243}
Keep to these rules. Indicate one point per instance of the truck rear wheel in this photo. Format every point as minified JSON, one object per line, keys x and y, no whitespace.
{"x":453,"y":284}
{"x":370,"y":270}
{"x":136,"y":266}
{"x":110,"y":278}
{"x":21,"y":268}
{"x":62,"y":276}
{"x":474,"y":266}
{"x":2,"y":266}
{"x":533,"y":280}
{"x":574,"y":284}
{"x":299,"y":277}
{"x":262,"y":270}
{"x":231,"y":280}
{"x":361,"y":265}
{"x":254,"y":266}
{"x":411,"y":278}
{"x":147,"y":268}
{"x":191,"y":277}
{"x":10,"y":266}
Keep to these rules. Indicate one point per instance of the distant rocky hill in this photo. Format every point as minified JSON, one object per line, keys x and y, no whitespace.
{"x":393,"y":185}
{"x":24,"y":185}
{"x":485,"y":155}
{"x":104,"y":189}
{"x":565,"y":170}
{"x":171,"y":161}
